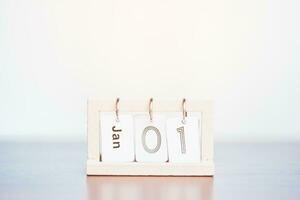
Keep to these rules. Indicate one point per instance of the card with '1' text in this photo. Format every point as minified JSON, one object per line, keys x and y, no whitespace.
{"x":183,"y":139}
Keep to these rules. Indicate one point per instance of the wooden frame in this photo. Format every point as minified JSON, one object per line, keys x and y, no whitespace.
{"x":96,"y":167}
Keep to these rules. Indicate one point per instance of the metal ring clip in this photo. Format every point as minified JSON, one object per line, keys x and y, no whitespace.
{"x":150,"y":109}
{"x":117,"y":109}
{"x":184,"y":112}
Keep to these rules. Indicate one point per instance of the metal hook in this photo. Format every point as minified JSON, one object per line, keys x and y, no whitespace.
{"x":184,"y":112}
{"x":150,"y":109}
{"x":117,"y":109}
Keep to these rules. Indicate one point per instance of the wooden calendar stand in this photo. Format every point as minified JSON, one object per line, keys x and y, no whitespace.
{"x":96,"y":167}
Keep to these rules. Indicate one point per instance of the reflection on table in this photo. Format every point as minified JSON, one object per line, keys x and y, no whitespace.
{"x":104,"y":187}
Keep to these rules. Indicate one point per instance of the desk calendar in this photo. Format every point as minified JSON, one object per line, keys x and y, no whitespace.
{"x":150,"y":138}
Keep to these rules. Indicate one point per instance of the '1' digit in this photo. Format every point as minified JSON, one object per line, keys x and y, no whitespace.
{"x":180,"y":130}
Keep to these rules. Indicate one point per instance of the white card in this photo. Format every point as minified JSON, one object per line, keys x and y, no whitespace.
{"x":117,"y":137}
{"x":183,"y":139}
{"x":150,"y":139}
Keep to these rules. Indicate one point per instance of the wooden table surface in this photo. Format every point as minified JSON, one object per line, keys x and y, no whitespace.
{"x":57,"y":171}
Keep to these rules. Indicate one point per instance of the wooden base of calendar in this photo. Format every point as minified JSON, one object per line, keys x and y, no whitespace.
{"x":150,"y":169}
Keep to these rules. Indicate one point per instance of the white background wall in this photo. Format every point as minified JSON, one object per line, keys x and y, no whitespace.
{"x":243,"y":54}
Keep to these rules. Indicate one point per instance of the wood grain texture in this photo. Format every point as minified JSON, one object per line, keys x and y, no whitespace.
{"x":57,"y":171}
